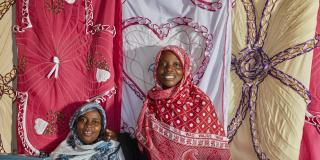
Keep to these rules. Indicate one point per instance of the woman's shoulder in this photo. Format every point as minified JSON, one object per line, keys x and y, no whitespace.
{"x":197,"y":93}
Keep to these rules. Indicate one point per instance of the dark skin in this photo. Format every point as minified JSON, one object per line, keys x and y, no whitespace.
{"x":89,"y":127}
{"x":170,"y":70}
{"x":111,"y":135}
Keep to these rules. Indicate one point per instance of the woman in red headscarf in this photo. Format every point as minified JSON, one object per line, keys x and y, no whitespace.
{"x":178,"y":120}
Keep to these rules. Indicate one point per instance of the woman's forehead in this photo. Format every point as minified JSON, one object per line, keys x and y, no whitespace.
{"x":92,"y":114}
{"x":169,"y":55}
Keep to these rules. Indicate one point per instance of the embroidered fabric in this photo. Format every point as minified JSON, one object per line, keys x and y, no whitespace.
{"x":54,"y":78}
{"x":180,"y":121}
{"x":260,"y":72}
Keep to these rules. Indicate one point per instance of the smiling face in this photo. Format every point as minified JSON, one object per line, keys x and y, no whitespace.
{"x":89,"y":127}
{"x":170,"y":70}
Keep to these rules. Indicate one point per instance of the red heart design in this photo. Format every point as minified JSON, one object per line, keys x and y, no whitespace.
{"x":210,"y":5}
{"x":142,"y":40}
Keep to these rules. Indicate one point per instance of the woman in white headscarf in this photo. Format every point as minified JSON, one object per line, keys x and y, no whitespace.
{"x":87,"y":137}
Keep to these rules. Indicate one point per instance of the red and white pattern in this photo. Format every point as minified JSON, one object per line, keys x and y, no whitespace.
{"x":90,"y":27}
{"x":25,"y":17}
{"x":21,"y":121}
{"x":185,"y":137}
{"x":191,"y":112}
{"x":181,"y":116}
{"x":210,"y":5}
{"x":60,"y":66}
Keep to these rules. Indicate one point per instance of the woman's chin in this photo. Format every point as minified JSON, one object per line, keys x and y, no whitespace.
{"x":88,"y":140}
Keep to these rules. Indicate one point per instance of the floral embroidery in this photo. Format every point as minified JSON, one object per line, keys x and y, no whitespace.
{"x":56,"y":120}
{"x":96,"y":61}
{"x":55,"y":6}
{"x":21,"y":65}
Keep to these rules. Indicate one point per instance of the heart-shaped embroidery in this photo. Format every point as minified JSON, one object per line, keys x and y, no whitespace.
{"x":70,"y":1}
{"x":210,"y":5}
{"x":40,"y":125}
{"x":102,"y":75}
{"x":142,"y":40}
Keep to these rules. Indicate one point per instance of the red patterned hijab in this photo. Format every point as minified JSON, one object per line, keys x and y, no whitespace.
{"x":157,"y":92}
{"x":180,"y":122}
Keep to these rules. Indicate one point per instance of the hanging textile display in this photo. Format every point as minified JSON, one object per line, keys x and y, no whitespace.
{"x":7,"y":75}
{"x":272,"y":48}
{"x":200,"y":27}
{"x":311,"y":131}
{"x":68,"y":53}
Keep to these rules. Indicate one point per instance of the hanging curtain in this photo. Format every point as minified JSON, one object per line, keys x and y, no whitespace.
{"x":310,"y":143}
{"x":68,"y":53}
{"x":272,"y":48}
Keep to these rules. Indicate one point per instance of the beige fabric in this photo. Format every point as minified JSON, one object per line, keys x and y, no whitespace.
{"x":280,"y":110}
{"x":6,"y":65}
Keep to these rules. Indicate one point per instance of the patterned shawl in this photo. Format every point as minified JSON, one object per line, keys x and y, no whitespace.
{"x":73,"y":148}
{"x":180,"y":122}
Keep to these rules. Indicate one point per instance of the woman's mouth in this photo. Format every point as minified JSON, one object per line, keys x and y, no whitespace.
{"x":169,"y":77}
{"x":87,"y":133}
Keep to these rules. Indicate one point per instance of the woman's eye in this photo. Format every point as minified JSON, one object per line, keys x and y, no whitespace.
{"x":81,"y":119}
{"x":163,"y":65}
{"x":95,"y":122}
{"x":177,"y":65}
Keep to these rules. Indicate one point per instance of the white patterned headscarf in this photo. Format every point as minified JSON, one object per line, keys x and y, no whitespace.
{"x":73,"y":149}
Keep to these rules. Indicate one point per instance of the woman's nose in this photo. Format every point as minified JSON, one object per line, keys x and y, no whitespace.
{"x":169,"y":68}
{"x":88,"y":124}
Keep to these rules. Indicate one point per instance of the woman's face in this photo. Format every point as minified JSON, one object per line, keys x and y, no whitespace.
{"x":170,"y":70}
{"x":89,"y":126}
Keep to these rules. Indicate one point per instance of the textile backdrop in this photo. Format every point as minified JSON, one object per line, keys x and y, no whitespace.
{"x":69,"y":52}
{"x":201,"y":27}
{"x":272,"y":49}
{"x":7,"y":74}
{"x":311,"y":131}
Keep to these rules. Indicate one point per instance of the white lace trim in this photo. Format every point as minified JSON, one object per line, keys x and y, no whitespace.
{"x":104,"y":96}
{"x":26,"y":23}
{"x":22,"y":108}
{"x":90,"y":27}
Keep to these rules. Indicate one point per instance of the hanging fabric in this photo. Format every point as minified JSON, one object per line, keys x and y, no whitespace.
{"x":311,"y":131}
{"x":272,"y":48}
{"x":68,"y":53}
{"x":200,"y":27}
{"x":7,"y":76}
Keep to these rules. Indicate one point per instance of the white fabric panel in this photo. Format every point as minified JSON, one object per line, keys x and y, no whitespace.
{"x":148,"y":25}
